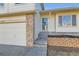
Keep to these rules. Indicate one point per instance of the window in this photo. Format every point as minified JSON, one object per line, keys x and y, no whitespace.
{"x":67,"y":20}
{"x":73,"y":20}
{"x":1,"y":5}
{"x":60,"y":20}
{"x":44,"y":23}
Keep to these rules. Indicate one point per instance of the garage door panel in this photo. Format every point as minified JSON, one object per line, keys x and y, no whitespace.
{"x":13,"y":34}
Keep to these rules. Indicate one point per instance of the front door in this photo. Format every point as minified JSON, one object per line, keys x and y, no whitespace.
{"x":44,"y":24}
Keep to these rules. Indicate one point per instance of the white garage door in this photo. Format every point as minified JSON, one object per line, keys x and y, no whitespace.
{"x":13,"y":34}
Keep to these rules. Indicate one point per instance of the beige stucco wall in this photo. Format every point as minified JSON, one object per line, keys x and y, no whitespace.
{"x":51,"y":23}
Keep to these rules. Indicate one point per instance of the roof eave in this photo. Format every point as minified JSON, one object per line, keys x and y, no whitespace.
{"x":60,"y":10}
{"x":17,"y":13}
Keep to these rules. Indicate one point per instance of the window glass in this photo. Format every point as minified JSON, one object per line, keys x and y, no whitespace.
{"x":66,"y":20}
{"x":60,"y":21}
{"x":73,"y":20}
{"x":1,"y":5}
{"x":44,"y":23}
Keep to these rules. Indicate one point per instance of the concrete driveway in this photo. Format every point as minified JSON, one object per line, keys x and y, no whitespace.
{"x":9,"y":50}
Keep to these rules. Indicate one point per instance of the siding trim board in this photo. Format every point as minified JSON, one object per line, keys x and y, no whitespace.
{"x":11,"y":22}
{"x":6,"y":15}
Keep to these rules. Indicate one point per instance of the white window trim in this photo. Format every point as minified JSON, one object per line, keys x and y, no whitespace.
{"x":71,"y":20}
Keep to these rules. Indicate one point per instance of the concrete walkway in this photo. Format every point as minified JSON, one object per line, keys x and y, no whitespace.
{"x":37,"y":51}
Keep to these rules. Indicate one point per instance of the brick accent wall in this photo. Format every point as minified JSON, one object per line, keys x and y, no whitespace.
{"x":29,"y":30}
{"x":66,"y":42}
